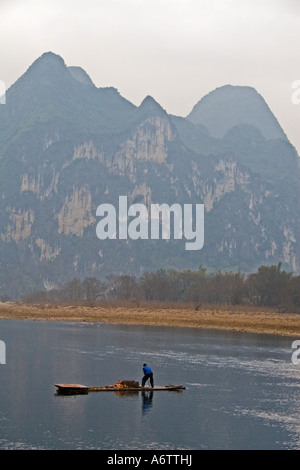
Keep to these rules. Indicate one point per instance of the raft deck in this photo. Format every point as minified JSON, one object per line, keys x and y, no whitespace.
{"x":72,"y":389}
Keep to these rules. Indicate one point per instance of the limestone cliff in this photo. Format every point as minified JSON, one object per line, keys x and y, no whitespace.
{"x":76,"y":213}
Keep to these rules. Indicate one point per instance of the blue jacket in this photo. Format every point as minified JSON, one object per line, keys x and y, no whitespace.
{"x":147,"y":370}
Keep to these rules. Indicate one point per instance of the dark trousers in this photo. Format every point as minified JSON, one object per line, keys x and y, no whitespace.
{"x":146,"y":377}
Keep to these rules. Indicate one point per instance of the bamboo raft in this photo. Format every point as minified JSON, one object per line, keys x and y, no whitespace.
{"x":121,"y":386}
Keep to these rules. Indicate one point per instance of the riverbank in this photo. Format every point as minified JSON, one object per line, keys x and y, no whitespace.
{"x":248,"y":319}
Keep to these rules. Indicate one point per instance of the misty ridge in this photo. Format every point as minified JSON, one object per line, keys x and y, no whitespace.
{"x":67,"y":147}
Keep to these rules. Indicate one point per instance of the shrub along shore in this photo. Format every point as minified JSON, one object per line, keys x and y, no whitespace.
{"x":252,"y":319}
{"x":270,"y":286}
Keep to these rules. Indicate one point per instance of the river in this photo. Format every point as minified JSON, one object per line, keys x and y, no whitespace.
{"x":242,"y":390}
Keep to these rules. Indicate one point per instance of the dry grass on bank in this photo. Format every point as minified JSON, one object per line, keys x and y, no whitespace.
{"x":237,"y":318}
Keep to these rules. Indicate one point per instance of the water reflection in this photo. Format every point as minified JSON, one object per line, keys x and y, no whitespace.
{"x":125,"y":393}
{"x":147,"y":401}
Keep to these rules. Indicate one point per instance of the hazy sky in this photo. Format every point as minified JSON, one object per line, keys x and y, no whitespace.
{"x":174,"y":50}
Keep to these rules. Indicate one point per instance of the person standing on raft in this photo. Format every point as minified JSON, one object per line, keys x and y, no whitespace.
{"x":148,"y":375}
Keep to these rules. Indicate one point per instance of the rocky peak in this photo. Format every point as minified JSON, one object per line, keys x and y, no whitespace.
{"x":48,"y":67}
{"x":229,"y":106}
{"x":48,"y":59}
{"x":151,"y":107}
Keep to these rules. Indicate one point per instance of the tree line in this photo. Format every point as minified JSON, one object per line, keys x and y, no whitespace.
{"x":269,"y":286}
